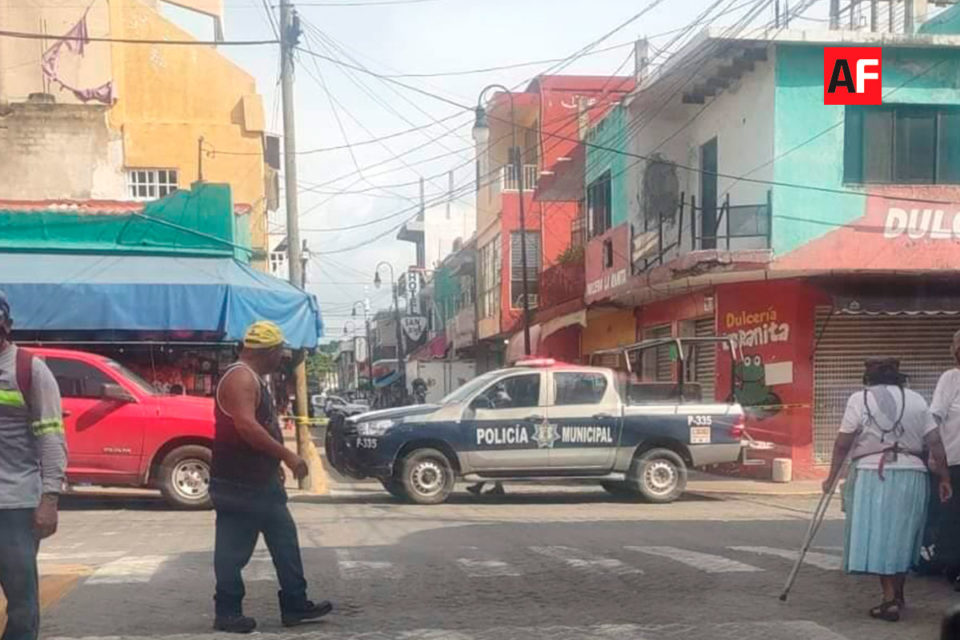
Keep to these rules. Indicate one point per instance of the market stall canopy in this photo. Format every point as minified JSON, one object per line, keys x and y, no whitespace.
{"x":86,"y":292}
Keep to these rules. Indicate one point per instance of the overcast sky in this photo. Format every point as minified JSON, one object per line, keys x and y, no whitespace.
{"x":429,"y":36}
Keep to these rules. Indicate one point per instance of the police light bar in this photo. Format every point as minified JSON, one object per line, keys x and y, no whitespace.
{"x":537,"y":362}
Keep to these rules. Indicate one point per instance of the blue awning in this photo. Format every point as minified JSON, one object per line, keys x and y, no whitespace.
{"x":85,"y":292}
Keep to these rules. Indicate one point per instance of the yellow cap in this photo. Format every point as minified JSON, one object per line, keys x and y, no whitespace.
{"x":263,"y":335}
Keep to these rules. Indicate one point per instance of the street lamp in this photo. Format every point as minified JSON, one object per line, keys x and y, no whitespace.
{"x":401,"y":365}
{"x":366,"y":326}
{"x":481,"y":135}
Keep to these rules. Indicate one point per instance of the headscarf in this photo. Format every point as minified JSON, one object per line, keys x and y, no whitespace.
{"x":263,"y":335}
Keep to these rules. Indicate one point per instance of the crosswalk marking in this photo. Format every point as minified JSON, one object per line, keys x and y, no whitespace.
{"x":353,"y":569}
{"x":126,"y":570}
{"x":583,"y":560}
{"x":259,"y":569}
{"x":703,"y":561}
{"x":820,"y":560}
{"x":486,"y":568}
{"x":78,"y":557}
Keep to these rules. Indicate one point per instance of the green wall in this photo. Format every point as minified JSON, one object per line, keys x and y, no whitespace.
{"x":808,"y":135}
{"x":610,"y":132}
{"x":198,"y":222}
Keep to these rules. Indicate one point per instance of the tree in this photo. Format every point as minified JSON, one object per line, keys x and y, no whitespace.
{"x":320,"y":368}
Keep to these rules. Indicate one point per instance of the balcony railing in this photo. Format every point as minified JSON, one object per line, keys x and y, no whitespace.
{"x":737,"y":227}
{"x":562,"y":282}
{"x":694,"y":227}
{"x":508,"y":177}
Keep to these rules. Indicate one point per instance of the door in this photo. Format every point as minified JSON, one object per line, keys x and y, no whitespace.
{"x":104,"y":436}
{"x":585,"y":408}
{"x":708,"y":195}
{"x":505,"y":426}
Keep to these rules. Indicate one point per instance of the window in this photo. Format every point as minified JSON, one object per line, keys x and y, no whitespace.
{"x":516,"y":268}
{"x":579,"y":388}
{"x":278,"y":262}
{"x":902,"y":145}
{"x":490,"y":268}
{"x":78,"y":379}
{"x":142,"y":384}
{"x":608,"y":254}
{"x":150,"y":184}
{"x":516,"y":392}
{"x":599,"y":216}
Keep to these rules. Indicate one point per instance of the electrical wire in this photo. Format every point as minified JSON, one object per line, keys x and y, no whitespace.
{"x":23,"y":35}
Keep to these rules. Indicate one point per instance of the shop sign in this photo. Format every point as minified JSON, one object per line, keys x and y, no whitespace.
{"x":414,"y":327}
{"x":607,"y":263}
{"x":921,"y":223}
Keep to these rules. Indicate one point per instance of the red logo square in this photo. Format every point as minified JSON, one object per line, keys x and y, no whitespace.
{"x":852,"y":75}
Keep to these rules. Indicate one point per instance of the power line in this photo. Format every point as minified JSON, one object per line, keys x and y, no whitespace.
{"x":23,"y":35}
{"x":364,"y":3}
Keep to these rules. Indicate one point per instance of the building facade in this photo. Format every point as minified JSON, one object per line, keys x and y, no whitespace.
{"x":84,"y":119}
{"x":815,"y":236}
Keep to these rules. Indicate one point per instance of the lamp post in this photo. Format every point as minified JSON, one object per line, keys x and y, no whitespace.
{"x":364,"y":304}
{"x":401,"y":365}
{"x":356,"y":367}
{"x":481,"y":135}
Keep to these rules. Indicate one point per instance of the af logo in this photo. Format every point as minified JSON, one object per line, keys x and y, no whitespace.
{"x":546,"y":434}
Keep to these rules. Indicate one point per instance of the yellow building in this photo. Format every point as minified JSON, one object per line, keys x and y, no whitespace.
{"x":125,"y":121}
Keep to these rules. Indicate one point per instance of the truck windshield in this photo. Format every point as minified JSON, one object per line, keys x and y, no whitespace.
{"x":468,"y":389}
{"x":142,"y":384}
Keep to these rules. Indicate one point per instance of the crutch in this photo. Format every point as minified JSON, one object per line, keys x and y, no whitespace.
{"x":818,"y":515}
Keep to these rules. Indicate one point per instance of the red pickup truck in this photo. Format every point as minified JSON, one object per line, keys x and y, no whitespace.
{"x":123,"y":432}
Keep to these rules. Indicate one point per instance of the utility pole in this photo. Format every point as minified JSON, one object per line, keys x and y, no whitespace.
{"x":289,"y":37}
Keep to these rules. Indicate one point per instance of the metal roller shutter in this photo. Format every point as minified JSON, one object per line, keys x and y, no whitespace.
{"x":664,"y":364}
{"x":921,"y":342}
{"x":706,"y":358}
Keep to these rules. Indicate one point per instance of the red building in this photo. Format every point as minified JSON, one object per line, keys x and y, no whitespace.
{"x":549,"y":119}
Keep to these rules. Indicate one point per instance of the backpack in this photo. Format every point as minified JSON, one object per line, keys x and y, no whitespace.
{"x":25,"y":373}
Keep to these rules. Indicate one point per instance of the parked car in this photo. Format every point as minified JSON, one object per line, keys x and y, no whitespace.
{"x":122,"y":432}
{"x":628,"y":432}
{"x":337,"y":404}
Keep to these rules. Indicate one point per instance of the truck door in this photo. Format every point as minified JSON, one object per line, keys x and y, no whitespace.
{"x":585,"y":408}
{"x":503,"y":424}
{"x":104,"y":436}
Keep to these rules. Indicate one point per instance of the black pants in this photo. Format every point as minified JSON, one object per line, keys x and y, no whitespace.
{"x":18,"y":574}
{"x":238,"y":529}
{"x":948,"y":529}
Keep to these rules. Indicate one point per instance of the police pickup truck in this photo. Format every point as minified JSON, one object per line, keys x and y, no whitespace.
{"x":634,"y":429}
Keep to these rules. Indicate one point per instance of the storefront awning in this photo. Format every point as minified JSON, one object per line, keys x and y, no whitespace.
{"x":86,"y":292}
{"x":515,"y":345}
{"x":896,"y":305}
{"x":555,"y":324}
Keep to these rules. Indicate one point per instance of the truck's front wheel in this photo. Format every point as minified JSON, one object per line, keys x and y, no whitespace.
{"x":185,"y":477}
{"x":660,"y":475}
{"x":427,"y":476}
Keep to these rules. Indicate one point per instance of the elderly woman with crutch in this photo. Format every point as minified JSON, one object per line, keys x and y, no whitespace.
{"x":885,"y":432}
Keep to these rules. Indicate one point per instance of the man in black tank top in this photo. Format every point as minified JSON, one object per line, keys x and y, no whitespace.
{"x":246,"y":486}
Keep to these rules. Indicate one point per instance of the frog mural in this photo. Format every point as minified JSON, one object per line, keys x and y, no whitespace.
{"x":751,"y":390}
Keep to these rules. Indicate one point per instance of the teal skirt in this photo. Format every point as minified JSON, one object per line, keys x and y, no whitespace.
{"x":884,"y":520}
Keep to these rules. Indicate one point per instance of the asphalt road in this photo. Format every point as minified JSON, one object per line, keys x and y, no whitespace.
{"x":559,"y":564}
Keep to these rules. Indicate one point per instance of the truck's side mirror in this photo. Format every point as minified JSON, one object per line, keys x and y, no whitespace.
{"x":115,"y":392}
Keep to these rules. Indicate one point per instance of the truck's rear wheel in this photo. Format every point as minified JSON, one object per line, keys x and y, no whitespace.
{"x":395,"y":488}
{"x":185,"y":477}
{"x":427,"y":476}
{"x":660,"y":475}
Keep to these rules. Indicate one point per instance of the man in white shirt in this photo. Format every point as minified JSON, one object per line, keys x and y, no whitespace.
{"x":945,"y":409}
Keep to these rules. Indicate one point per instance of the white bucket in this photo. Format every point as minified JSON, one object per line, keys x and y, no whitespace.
{"x":782,"y":469}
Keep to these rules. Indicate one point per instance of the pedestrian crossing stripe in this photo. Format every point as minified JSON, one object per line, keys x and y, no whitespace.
{"x":704,"y":561}
{"x":357,"y":564}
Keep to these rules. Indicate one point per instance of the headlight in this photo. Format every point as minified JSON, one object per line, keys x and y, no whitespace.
{"x":374,"y":427}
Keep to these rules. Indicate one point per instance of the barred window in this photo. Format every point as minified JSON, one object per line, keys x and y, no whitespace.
{"x":150,"y":184}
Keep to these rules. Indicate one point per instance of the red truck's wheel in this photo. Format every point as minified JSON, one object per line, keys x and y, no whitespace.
{"x":185,"y":477}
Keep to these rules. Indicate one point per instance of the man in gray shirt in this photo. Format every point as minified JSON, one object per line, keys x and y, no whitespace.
{"x":33,"y":461}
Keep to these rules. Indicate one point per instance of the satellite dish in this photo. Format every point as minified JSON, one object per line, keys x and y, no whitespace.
{"x":661,"y":192}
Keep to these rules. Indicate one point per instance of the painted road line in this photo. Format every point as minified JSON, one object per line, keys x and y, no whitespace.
{"x":79,"y":556}
{"x":352,"y":568}
{"x":820,"y":560}
{"x":486,"y":568}
{"x":587,"y":561}
{"x":785,"y":630}
{"x":54,"y":585}
{"x":126,"y":570}
{"x":260,"y":570}
{"x":706,"y":562}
